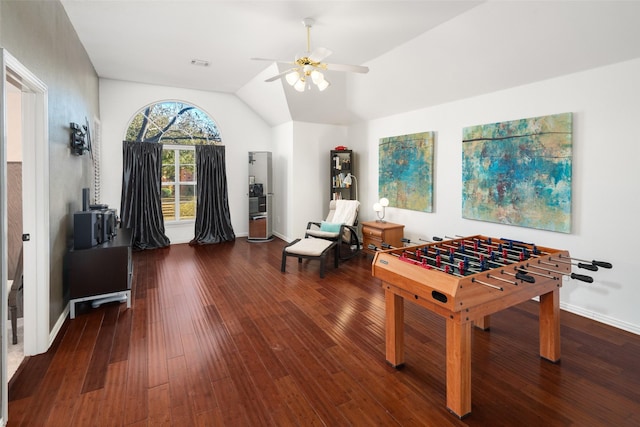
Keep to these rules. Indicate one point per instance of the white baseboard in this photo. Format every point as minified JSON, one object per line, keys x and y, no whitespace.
{"x":616,"y":323}
{"x":56,"y":328}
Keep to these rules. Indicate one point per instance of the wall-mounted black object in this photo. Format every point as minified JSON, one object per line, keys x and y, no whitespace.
{"x":80,"y":138}
{"x":79,"y":144}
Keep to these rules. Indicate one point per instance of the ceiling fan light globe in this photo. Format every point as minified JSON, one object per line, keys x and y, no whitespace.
{"x":292,"y":77}
{"x":299,"y":85}
{"x":323,"y":85}
{"x":317,"y":76}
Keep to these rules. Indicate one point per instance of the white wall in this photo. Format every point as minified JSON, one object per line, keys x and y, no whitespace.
{"x":282,"y":172}
{"x":302,"y":177}
{"x":605,"y":200}
{"x":311,"y":172}
{"x":241,"y":129}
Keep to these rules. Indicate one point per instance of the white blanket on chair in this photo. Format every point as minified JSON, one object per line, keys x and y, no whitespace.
{"x":346,"y":212}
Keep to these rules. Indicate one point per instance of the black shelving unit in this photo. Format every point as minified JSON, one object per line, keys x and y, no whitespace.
{"x":342,"y":165}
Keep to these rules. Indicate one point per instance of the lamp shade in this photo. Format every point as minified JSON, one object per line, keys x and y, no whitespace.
{"x":292,"y":77}
{"x":323,"y":85}
{"x":384,"y":202}
{"x":299,"y":85}
{"x":316,"y":76}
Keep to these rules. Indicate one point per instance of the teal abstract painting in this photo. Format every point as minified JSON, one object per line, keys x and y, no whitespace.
{"x":406,"y":171}
{"x":519,"y":172}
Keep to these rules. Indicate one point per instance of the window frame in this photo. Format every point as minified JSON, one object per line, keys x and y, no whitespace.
{"x":177,"y":182}
{"x":206,"y":132}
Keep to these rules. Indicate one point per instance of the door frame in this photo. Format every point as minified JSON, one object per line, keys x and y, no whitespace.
{"x":35,"y":202}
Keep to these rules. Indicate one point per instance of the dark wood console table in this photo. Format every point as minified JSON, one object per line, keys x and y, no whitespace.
{"x":101,"y":273}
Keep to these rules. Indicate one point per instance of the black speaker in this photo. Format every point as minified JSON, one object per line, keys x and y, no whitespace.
{"x":87,"y":229}
{"x":85,"y":199}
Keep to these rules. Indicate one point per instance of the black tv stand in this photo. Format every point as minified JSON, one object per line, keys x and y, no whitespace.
{"x":101,"y":273}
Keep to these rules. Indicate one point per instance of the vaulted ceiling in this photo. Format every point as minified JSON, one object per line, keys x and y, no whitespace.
{"x":420,"y":52}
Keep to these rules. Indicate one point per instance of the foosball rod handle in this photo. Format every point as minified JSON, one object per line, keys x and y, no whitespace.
{"x":582,"y":277}
{"x":525,"y":277}
{"x":590,"y":267}
{"x":602,"y":264}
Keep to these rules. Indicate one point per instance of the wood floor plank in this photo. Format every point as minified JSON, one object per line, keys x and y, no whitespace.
{"x":217,"y":335}
{"x":86,"y":413}
{"x":113,"y":403}
{"x":101,"y":353}
{"x":159,"y":406}
{"x":180,"y":401}
{"x":157,"y":354}
{"x":62,"y":382}
{"x":122,"y":335}
{"x":200,"y":387}
{"x":137,"y":387}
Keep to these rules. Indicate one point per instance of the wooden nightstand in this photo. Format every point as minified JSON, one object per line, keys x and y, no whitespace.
{"x":376,"y":233}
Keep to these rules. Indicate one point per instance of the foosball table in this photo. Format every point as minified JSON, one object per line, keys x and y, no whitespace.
{"x":465,"y":280}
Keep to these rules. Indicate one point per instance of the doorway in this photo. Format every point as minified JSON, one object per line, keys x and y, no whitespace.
{"x":15,"y":350}
{"x":35,"y":211}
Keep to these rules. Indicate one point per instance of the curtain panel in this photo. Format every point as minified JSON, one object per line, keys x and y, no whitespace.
{"x":213,"y":220}
{"x":141,"y":208}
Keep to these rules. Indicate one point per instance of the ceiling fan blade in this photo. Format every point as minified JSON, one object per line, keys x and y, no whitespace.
{"x":277,"y":76}
{"x":319,"y":54}
{"x":279,"y":61}
{"x":345,"y":67}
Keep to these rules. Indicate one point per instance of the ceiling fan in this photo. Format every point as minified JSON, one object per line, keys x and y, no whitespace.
{"x":307,"y":68}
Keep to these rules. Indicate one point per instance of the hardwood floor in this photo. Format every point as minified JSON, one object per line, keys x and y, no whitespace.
{"x":217,"y":335}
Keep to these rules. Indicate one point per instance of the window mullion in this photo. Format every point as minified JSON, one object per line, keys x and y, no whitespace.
{"x":176,"y":164}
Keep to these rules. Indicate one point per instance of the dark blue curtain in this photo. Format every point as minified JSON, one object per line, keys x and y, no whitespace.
{"x":141,"y":209}
{"x":213,"y":220}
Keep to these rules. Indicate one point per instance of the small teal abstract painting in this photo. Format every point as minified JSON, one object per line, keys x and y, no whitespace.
{"x":519,"y":172}
{"x":406,"y":171}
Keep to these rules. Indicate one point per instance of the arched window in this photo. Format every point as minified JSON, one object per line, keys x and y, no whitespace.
{"x":179,"y":127}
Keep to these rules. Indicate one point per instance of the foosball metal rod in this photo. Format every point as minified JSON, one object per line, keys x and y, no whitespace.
{"x":405,"y":252}
{"x":580,"y":277}
{"x":502,"y":279}
{"x":520,"y":275}
{"x":460,"y":256}
{"x":602,"y":264}
{"x":498,"y":248}
{"x":500,"y":288}
{"x":535,"y":273}
{"x":372,"y":247}
{"x":590,"y":267}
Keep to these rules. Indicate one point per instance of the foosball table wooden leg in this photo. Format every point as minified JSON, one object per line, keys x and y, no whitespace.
{"x":483,"y":323}
{"x":459,"y":367}
{"x":394,"y":328}
{"x":550,"y":325}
